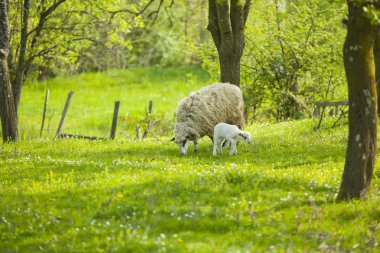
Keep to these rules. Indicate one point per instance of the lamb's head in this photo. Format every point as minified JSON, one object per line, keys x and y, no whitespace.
{"x":183,"y":134}
{"x":244,"y":136}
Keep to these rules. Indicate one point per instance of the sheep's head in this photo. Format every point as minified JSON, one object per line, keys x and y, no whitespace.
{"x":182,"y":136}
{"x":245,"y":136}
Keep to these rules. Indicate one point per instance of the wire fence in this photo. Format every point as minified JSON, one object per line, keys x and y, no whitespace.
{"x":91,"y":123}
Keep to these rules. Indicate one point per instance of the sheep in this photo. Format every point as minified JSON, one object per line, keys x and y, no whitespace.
{"x":228,"y":134}
{"x":198,"y":113}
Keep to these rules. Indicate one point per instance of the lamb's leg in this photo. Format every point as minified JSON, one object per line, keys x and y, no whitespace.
{"x":226,"y":143}
{"x":233,"y":150}
{"x":195,"y":146}
{"x":214,"y":148}
{"x":214,"y":140}
{"x":220,"y":144}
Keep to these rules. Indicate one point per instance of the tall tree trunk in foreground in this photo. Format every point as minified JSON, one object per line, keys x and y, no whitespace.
{"x":7,"y":108}
{"x":376,"y":52}
{"x":362,"y":95}
{"x":227,"y":20}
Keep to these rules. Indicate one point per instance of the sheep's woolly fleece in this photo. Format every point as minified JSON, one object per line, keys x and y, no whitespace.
{"x":198,"y":113}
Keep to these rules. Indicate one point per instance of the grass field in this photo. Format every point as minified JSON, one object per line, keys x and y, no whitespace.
{"x":275,"y":195}
{"x":91,"y":108}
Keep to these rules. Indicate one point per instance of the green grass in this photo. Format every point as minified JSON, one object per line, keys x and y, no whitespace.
{"x":275,"y":195}
{"x":127,"y":196}
{"x":91,"y":109}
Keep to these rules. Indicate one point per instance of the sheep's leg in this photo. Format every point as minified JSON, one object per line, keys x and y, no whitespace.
{"x":233,"y":150}
{"x":195,"y":146}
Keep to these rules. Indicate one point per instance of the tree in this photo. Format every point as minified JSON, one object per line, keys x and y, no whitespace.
{"x":376,"y":52}
{"x":55,"y":32}
{"x":24,"y":63}
{"x":358,"y":59}
{"x":292,"y":57}
{"x":227,"y":19}
{"x":11,"y":87}
{"x":7,"y":108}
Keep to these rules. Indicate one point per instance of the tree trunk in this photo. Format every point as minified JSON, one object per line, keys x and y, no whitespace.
{"x":362,"y":97}
{"x":227,"y":20}
{"x":376,"y":52}
{"x":7,"y":108}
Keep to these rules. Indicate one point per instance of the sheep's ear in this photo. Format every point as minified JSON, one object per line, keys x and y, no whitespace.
{"x":173,"y":139}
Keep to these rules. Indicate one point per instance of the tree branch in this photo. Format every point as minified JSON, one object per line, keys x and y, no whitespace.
{"x":43,"y":17}
{"x":114,"y":13}
{"x":167,"y":12}
{"x":247,"y":8}
{"x":156,"y":12}
{"x":213,"y":25}
{"x":224,"y":22}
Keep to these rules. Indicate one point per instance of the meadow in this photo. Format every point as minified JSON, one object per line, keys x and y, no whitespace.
{"x":91,"y":108}
{"x":72,"y":195}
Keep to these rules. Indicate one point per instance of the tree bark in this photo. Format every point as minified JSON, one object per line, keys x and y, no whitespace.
{"x":227,"y":20}
{"x":376,"y":52}
{"x":362,"y":97}
{"x":7,"y":108}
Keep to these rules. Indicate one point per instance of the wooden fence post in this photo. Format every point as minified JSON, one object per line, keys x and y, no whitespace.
{"x":114,"y":121}
{"x":71,"y":93}
{"x":148,"y":119}
{"x":44,"y":112}
{"x":150,"y":106}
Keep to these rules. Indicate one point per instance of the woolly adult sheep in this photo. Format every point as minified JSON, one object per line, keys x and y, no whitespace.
{"x":198,"y":113}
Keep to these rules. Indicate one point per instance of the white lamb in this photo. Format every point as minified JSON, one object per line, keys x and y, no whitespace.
{"x":228,"y":134}
{"x":198,"y":113}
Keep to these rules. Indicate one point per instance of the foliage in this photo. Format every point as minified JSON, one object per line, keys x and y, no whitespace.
{"x":274,"y":196}
{"x":292,"y":57}
{"x":97,"y":35}
{"x":164,"y":42}
{"x":207,"y":52}
{"x":373,"y":14}
{"x":70,"y":33}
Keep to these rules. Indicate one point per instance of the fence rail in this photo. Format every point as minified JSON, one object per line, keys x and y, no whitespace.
{"x":64,"y":113}
{"x":336,"y":107}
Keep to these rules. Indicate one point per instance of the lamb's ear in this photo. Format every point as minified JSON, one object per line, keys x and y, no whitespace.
{"x":173,"y":139}
{"x":241,"y":134}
